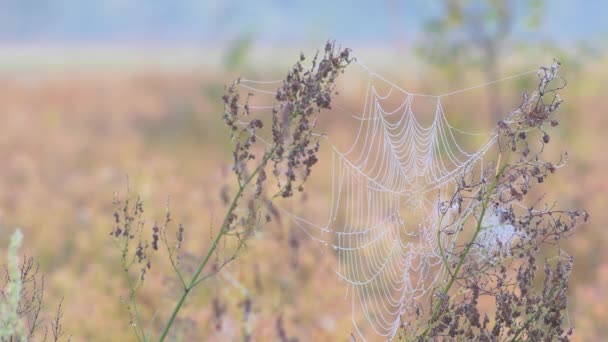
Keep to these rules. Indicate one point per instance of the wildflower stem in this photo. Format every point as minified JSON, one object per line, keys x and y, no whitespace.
{"x":136,"y":323}
{"x":454,"y":275}
{"x":223,"y":230}
{"x":172,"y":260}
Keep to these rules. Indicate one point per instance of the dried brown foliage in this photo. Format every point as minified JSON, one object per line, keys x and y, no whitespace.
{"x":291,"y":155}
{"x":303,"y":94}
{"x":493,"y":290}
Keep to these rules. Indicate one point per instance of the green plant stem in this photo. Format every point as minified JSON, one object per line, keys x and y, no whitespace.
{"x":453,"y":275}
{"x":526,"y":323}
{"x":223,"y":230}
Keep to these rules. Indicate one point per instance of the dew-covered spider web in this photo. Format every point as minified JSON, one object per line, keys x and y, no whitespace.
{"x":385,"y":173}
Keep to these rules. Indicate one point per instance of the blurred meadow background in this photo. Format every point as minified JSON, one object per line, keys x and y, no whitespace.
{"x":93,"y":91}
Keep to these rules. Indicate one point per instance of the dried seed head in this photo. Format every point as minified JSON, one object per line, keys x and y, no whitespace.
{"x":293,"y":148}
{"x":509,"y":228}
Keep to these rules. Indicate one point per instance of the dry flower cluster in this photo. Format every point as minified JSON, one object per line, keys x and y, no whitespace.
{"x":291,"y":155}
{"x":496,"y":297}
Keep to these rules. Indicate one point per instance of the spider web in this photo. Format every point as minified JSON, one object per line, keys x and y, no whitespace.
{"x":386,"y":191}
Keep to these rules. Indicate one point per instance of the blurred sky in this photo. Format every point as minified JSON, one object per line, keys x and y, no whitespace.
{"x":200,"y":22}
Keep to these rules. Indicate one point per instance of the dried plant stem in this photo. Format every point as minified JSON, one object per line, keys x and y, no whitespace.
{"x":454,"y":275}
{"x":137,"y":325}
{"x":222,"y":232}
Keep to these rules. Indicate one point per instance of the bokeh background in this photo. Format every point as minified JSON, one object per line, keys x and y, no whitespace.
{"x":93,"y":91}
